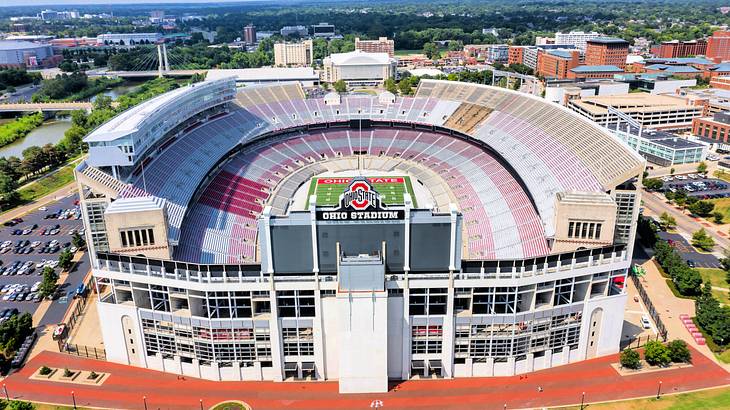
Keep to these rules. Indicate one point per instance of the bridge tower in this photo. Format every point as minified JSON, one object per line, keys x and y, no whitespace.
{"x":163,"y":65}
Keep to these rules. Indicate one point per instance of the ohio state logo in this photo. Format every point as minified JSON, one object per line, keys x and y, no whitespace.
{"x":360,"y":196}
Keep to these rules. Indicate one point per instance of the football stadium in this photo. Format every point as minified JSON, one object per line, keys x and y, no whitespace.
{"x":258,"y":233}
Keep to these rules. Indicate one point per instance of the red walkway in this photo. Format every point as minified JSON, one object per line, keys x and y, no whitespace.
{"x":562,"y":385}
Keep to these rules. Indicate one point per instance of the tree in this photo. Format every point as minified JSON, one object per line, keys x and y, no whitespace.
{"x":667,"y":220}
{"x":431,"y":50}
{"x":404,"y":86}
{"x":717,"y":217}
{"x":671,"y":171}
{"x":702,"y":167}
{"x":391,"y":86}
{"x":64,"y":259}
{"x":102,"y":102}
{"x":48,"y":284}
{"x":340,"y":86}
{"x":678,"y":351}
{"x":656,"y":354}
{"x":630,"y":359}
{"x":687,"y":280}
{"x":653,"y":184}
{"x":702,"y":240}
{"x":77,"y":240}
{"x":701,"y":208}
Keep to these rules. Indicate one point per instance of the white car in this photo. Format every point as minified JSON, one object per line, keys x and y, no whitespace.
{"x":52,"y":264}
{"x":41,"y":264}
{"x":6,"y":244}
{"x":645,"y":322}
{"x":35,"y":287}
{"x":43,"y":208}
{"x":73,"y":249}
{"x":53,"y":243}
{"x":35,"y":244}
{"x":72,"y":231}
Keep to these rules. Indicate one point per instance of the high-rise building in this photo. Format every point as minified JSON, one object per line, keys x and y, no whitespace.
{"x":249,"y":34}
{"x":293,"y":54}
{"x":557,"y":63}
{"x":381,"y":45}
{"x":576,"y":38}
{"x":718,"y":46}
{"x":679,"y":49}
{"x":607,"y":51}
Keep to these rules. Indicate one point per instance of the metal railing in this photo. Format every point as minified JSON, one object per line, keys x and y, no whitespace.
{"x":661,"y":329}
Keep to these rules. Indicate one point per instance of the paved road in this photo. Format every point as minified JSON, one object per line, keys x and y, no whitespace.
{"x":688,"y":253}
{"x":58,"y":307}
{"x":685,"y":223}
{"x":22,"y":94}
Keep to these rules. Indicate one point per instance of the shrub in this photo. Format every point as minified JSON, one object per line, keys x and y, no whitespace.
{"x":67,"y":372}
{"x":678,"y":352}
{"x":630,"y":359}
{"x":93,"y":375}
{"x":656,"y":354}
{"x":45,"y":371}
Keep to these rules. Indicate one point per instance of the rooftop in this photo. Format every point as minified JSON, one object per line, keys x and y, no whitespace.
{"x":359,"y":57}
{"x":673,"y":68}
{"x":19,"y":45}
{"x":608,"y":40}
{"x":561,"y":53}
{"x":264,"y":74}
{"x":595,"y":69}
{"x":138,"y":204}
{"x":679,"y":61}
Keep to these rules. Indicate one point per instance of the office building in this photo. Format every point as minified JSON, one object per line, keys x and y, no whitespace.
{"x":249,"y":34}
{"x":577,"y":39}
{"x":298,"y":31}
{"x":718,"y":46}
{"x":676,"y":48}
{"x":324,"y":30}
{"x":24,"y":54}
{"x":294,"y":54}
{"x":607,"y":51}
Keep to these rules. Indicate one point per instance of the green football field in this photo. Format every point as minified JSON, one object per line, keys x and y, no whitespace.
{"x":328,"y":190}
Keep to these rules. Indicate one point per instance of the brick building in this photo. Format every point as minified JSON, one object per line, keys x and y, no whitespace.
{"x":607,"y":51}
{"x":381,"y":45}
{"x":718,"y":46}
{"x":557,"y":63}
{"x":676,"y":48}
{"x":585,"y":72}
{"x":715,"y":128}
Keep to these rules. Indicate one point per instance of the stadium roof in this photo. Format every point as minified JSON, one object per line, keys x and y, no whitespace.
{"x":596,"y":69}
{"x":265,"y":74}
{"x":138,"y":204}
{"x":128,"y":121}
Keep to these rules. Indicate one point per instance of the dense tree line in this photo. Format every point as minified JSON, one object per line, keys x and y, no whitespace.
{"x":688,"y":281}
{"x":13,"y":77}
{"x":19,"y":128}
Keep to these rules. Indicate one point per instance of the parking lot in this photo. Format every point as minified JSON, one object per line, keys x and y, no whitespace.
{"x":702,"y":188}
{"x":688,"y":253}
{"x":45,"y":241}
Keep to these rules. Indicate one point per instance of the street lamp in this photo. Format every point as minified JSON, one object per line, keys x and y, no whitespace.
{"x":73,"y":397}
{"x":5,"y":389}
{"x":144,"y":399}
{"x":659,"y":390}
{"x":201,"y":404}
{"x":582,"y":400}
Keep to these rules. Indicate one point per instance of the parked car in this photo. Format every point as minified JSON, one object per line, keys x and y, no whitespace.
{"x":645,"y":322}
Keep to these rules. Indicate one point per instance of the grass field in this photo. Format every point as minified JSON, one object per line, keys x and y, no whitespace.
{"x":48,"y":184}
{"x":328,"y":194}
{"x":706,"y":399}
{"x":722,"y":205}
{"x":717,"y":278}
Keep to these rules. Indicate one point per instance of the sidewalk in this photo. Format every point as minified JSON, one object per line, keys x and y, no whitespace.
{"x":561,"y":385}
{"x":670,"y":307}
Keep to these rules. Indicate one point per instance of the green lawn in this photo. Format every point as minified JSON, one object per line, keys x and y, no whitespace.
{"x":717,"y":278}
{"x":722,"y":205}
{"x":48,"y":184}
{"x":406,"y":52}
{"x":706,"y":399}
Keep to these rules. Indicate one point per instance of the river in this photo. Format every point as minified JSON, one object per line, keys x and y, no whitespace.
{"x":49,"y":133}
{"x":118,"y":91}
